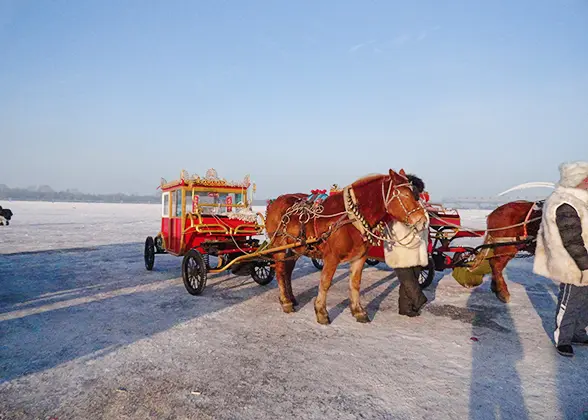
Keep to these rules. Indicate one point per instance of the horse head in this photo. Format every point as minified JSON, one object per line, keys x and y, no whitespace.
{"x":402,"y":202}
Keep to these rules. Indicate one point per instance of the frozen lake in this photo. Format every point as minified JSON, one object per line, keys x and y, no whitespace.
{"x":87,"y":332}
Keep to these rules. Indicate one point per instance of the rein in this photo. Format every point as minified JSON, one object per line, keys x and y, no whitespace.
{"x":477,"y":231}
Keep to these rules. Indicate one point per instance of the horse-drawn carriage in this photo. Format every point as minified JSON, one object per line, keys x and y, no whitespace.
{"x":204,"y":217}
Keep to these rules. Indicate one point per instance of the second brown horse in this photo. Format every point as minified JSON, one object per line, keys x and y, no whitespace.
{"x":345,"y":221}
{"x":516,"y":223}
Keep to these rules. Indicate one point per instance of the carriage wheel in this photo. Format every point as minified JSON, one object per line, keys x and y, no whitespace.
{"x":149,"y":253}
{"x":263,"y":273}
{"x":194,"y":272}
{"x":372,"y":262}
{"x":317,"y":263}
{"x":427,"y":274}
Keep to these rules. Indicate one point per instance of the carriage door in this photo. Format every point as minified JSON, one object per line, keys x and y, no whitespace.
{"x":175,"y":222}
{"x":165,"y":218}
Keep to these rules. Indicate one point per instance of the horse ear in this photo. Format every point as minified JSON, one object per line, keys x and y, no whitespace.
{"x":392,"y":173}
{"x":402,"y":172}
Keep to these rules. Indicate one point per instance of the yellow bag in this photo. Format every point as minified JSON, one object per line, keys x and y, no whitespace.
{"x":473,"y":276}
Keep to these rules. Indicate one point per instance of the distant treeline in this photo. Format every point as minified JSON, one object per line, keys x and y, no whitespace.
{"x":21,"y":194}
{"x":46,"y":193}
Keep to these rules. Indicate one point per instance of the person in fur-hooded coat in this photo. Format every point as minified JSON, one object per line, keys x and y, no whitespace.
{"x":5,"y":216}
{"x":562,"y":254}
{"x":407,"y":255}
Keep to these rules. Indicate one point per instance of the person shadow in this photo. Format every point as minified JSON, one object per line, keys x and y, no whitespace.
{"x":571,"y":380}
{"x":496,"y":390}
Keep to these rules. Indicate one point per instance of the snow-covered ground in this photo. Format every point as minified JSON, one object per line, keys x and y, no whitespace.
{"x":87,"y":333}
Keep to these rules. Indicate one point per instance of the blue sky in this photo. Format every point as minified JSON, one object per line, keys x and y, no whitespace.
{"x":473,"y":96}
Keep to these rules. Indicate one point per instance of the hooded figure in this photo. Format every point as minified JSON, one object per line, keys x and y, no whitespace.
{"x":562,"y":254}
{"x":407,"y":255}
{"x":5,"y":216}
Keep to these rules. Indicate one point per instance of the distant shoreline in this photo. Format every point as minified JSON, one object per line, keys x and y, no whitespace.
{"x":154,"y":201}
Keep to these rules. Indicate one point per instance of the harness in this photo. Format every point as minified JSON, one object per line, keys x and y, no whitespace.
{"x":359,"y":222}
{"x":311,"y":208}
{"x":537,"y":206}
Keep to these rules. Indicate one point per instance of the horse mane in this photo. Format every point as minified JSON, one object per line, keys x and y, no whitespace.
{"x":367,"y":179}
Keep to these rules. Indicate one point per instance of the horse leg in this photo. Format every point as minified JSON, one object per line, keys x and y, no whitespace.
{"x":282,"y":275}
{"x":290,"y":264}
{"x":498,"y":264}
{"x":320,"y":304}
{"x":354,"y":284}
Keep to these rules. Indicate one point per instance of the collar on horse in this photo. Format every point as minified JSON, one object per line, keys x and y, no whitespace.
{"x":367,"y":232}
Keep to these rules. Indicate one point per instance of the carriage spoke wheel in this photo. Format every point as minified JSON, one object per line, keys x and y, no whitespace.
{"x":427,"y":274}
{"x":194,"y":272}
{"x":149,"y":253}
{"x":262,"y":273}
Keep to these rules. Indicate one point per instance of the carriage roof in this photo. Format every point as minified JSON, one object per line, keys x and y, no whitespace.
{"x":210,"y":182}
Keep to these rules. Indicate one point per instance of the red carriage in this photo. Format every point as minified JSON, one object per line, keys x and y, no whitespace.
{"x":444,"y":228}
{"x":209,"y":216}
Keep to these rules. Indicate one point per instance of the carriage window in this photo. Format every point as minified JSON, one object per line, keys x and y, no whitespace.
{"x":222,"y":200}
{"x":188,"y":202}
{"x":165,"y":205}
{"x":177,"y":203}
{"x":203,"y":200}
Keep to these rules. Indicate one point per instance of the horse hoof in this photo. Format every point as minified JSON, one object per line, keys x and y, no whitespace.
{"x":323,"y":319}
{"x":504,"y":298}
{"x":288,"y":308}
{"x":294,"y":302}
{"x":363,"y":318}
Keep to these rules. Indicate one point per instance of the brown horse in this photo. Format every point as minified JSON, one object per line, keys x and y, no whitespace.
{"x":346,"y":222}
{"x":514,"y":225}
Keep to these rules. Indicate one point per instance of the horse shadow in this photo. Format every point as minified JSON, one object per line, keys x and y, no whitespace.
{"x":306,"y":296}
{"x":373,"y":306}
{"x":66,"y":305}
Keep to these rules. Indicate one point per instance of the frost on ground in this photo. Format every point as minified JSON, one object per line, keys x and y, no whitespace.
{"x":87,"y":333}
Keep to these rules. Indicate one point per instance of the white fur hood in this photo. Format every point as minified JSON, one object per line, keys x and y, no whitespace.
{"x":572,"y":174}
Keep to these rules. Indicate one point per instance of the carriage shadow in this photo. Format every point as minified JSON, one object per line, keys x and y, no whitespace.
{"x":65,"y":305}
{"x":40,"y":277}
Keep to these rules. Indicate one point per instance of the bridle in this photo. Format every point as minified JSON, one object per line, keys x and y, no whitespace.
{"x":374,"y":234}
{"x":395,"y":193}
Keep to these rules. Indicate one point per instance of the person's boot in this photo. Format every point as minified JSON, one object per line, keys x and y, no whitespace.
{"x":405,"y":308}
{"x":565,"y":350}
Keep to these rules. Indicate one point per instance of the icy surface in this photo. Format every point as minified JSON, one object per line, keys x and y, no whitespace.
{"x":87,"y":332}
